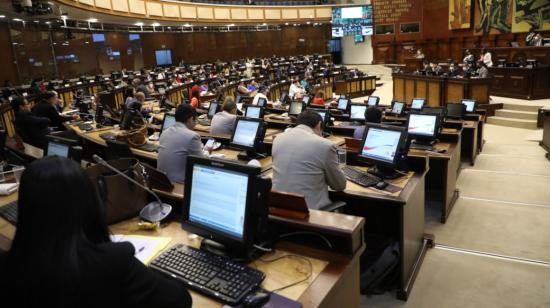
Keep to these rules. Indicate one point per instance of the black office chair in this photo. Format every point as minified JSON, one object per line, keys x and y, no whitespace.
{"x":117,"y":150}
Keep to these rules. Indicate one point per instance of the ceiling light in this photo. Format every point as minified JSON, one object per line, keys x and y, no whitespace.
{"x":36,"y":21}
{"x":2,"y":16}
{"x":286,"y":23}
{"x":139,"y":24}
{"x":264,"y":24}
{"x":92,"y":20}
{"x":231,"y":25}
{"x":205,"y":27}
{"x":64,"y":17}
{"x":169,"y":28}
{"x":48,"y":22}
{"x":17,"y":19}
{"x":155,"y":24}
{"x":308,"y":22}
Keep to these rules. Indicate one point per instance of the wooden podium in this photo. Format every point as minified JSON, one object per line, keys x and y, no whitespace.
{"x":413,"y":64}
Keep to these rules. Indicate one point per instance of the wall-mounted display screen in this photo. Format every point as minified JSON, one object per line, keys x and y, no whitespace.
{"x":359,"y":38}
{"x":98,"y":37}
{"x":351,"y":20}
{"x":133,"y":37}
{"x":385,"y":29}
{"x":163,"y":56}
{"x":410,"y":27}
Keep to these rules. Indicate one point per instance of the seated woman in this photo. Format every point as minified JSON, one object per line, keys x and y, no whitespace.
{"x":319,"y":100}
{"x":62,"y":254}
{"x":195,"y":99}
{"x":32,"y":129}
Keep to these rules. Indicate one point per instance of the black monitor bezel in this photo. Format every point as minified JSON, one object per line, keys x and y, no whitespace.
{"x":261,"y":115}
{"x":230,"y":241}
{"x":401,"y":147}
{"x":260,"y":134}
{"x":296,"y":102}
{"x":453,"y":116}
{"x":263,"y":99}
{"x":437,"y":124}
{"x":472,"y":100}
{"x":326,"y":119}
{"x":423,"y":103}
{"x":377,"y":101}
{"x":402,"y":107}
{"x":310,"y":99}
{"x":347,"y":105}
{"x":210,"y":107}
{"x":164,"y":120}
{"x":358,"y":104}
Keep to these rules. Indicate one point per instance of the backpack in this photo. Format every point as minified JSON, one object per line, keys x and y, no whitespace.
{"x":380,"y":268}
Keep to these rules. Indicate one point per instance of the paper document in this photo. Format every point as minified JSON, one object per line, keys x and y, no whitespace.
{"x":147,"y":247}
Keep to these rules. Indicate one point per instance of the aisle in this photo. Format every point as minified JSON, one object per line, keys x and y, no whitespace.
{"x":494,"y":251}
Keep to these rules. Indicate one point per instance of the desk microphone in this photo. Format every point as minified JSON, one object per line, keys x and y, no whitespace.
{"x":154,"y":211}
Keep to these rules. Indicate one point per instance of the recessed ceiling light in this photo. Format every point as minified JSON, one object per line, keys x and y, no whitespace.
{"x":264,"y":24}
{"x":139,"y":24}
{"x":155,"y":24}
{"x":92,"y":20}
{"x":36,"y":21}
{"x":205,"y":28}
{"x":2,"y":16}
{"x":17,"y":19}
{"x":286,"y":23}
{"x":308,"y":22}
{"x":187,"y":25}
{"x":64,"y":17}
{"x":231,"y":25}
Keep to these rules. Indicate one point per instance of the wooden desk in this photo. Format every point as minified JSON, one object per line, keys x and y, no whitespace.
{"x":334,"y":280}
{"x":469,"y":137}
{"x":524,"y":83}
{"x":356,"y":87}
{"x":439,"y":90}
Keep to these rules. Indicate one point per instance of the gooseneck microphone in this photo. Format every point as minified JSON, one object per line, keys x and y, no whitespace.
{"x":154,"y":211}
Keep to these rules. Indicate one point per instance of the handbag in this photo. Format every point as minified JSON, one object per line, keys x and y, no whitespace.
{"x":120,"y":198}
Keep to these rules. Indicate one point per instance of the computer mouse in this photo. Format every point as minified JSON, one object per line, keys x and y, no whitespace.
{"x":256,"y":299}
{"x":254,"y":162}
{"x":381,"y":185}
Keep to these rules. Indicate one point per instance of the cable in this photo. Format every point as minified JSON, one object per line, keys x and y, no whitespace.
{"x":307,"y":233}
{"x":263,"y":248}
{"x":308,"y":276}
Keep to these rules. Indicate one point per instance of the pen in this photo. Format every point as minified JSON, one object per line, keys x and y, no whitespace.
{"x":141,"y":249}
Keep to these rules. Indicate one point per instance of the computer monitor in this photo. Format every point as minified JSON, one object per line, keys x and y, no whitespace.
{"x":423,"y":127}
{"x":373,"y":101}
{"x":213,"y":109}
{"x":57,"y":149}
{"x":324,"y":113}
{"x":284,"y":98}
{"x":306,"y":100}
{"x":168,"y":121}
{"x":357,"y":112}
{"x":455,"y":111}
{"x":418,"y":104}
{"x":223,"y":203}
{"x":296,"y":107}
{"x":440,"y":111}
{"x":397,"y":108}
{"x":343,"y":103}
{"x":62,"y":147}
{"x":262,"y":102}
{"x":256,"y":112}
{"x":470,"y":105}
{"x":383,"y":145}
{"x":248,"y":134}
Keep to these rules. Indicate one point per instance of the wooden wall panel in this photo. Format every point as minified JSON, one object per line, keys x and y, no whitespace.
{"x":9,"y":70}
{"x":121,"y":6}
{"x":421,"y":89}
{"x":137,"y":6}
{"x":399,"y":89}
{"x":410,"y":89}
{"x":171,"y":10}
{"x":434,"y":93}
{"x":455,"y":92}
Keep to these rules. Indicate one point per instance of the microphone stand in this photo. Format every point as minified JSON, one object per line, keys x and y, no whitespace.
{"x":154,"y":211}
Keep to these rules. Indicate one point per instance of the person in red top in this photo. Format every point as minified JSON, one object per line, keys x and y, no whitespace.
{"x":195,"y":99}
{"x":318,"y":99}
{"x":194,"y":88}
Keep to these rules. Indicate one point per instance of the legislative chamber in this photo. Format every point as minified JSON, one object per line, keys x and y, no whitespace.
{"x":287,"y":153}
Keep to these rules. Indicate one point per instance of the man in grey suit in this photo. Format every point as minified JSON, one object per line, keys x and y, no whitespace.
{"x":223,"y":122}
{"x":178,"y":142}
{"x":305,"y":163}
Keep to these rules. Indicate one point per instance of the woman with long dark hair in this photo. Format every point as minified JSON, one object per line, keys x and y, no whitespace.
{"x":62,"y":255}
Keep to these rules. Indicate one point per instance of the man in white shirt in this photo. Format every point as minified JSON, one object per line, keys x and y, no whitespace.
{"x":486,"y":57}
{"x":262,"y":93}
{"x":223,"y":122}
{"x":295,"y":90}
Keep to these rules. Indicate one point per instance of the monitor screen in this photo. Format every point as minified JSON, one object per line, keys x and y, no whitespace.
{"x":470,"y":105}
{"x":323,"y":114}
{"x":367,"y":30}
{"x":343,"y":103}
{"x":357,"y":112}
{"x":218,"y":199}
{"x":283,"y":97}
{"x":212,"y":109}
{"x":98,"y":37}
{"x":295,"y":108}
{"x":245,"y":133}
{"x":306,"y":99}
{"x":381,"y":144}
{"x":398,"y":107}
{"x":455,"y":110}
{"x":373,"y":101}
{"x":422,"y":124}
{"x":133,"y":37}
{"x":351,"y":20}
{"x":359,"y":38}
{"x":163,"y":56}
{"x":417,"y":103}
{"x":58,"y":149}
{"x":262,"y":102}
{"x":253,"y":112}
{"x":169,"y":121}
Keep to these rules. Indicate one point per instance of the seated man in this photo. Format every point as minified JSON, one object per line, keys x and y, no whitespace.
{"x":372,"y":115}
{"x":223,"y":122}
{"x":46,"y":108}
{"x":262,"y":93}
{"x":33,"y":129}
{"x":305,"y":163}
{"x":178,"y":142}
{"x":137,"y":102}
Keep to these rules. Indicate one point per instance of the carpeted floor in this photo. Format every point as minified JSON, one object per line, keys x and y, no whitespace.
{"x":494,"y":251}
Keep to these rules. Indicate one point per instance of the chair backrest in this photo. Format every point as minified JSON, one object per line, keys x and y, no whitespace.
{"x":7,"y":118}
{"x":117,"y":150}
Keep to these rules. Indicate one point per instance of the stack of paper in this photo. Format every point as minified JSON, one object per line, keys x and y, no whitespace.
{"x":147,"y":247}
{"x":7,"y":189}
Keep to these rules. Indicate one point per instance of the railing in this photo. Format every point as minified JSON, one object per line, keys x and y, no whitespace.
{"x":167,"y":10}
